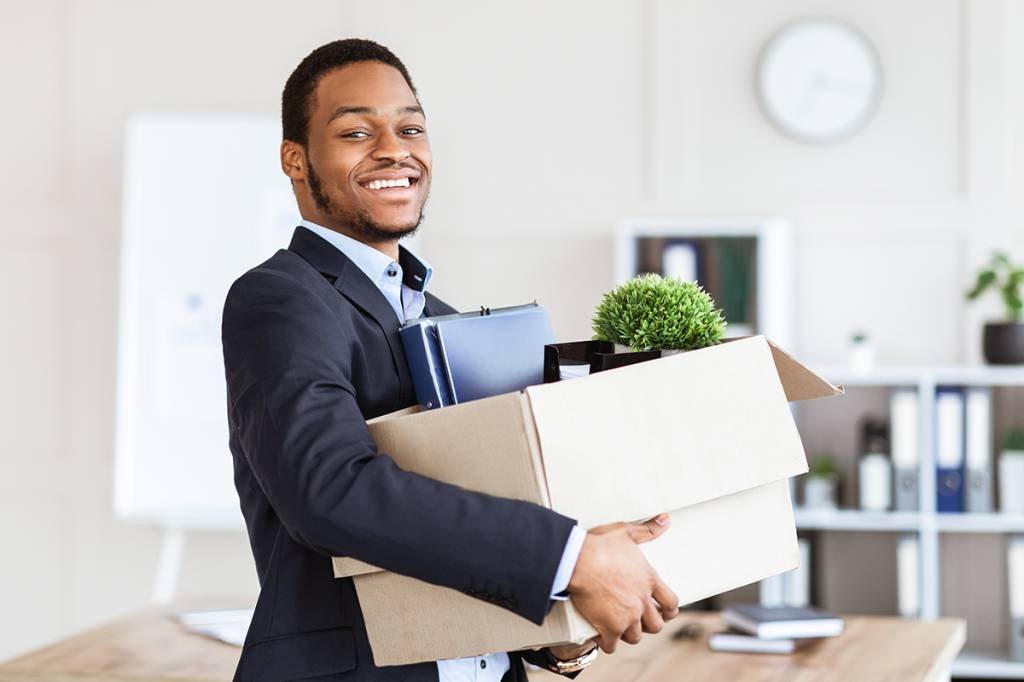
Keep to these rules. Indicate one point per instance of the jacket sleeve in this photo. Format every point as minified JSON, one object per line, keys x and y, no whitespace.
{"x":293,"y":405}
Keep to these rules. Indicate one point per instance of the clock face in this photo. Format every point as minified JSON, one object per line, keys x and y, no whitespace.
{"x":819,"y":81}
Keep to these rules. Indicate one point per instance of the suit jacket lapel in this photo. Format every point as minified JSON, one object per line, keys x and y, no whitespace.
{"x":354,"y":285}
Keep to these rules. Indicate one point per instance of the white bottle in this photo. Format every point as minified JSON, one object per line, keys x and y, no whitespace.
{"x":875,"y":474}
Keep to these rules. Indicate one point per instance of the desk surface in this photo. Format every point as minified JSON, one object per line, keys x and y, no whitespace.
{"x":150,"y":646}
{"x":871,"y":648}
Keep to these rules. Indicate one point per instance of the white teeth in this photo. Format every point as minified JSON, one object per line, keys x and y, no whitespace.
{"x":381,"y":184}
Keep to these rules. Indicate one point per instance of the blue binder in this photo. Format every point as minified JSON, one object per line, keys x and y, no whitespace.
{"x":949,"y":449}
{"x":457,"y":358}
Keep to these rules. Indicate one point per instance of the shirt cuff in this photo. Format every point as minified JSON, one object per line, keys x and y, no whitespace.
{"x":568,"y":564}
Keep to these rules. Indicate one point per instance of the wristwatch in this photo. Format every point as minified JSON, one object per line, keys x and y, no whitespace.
{"x":573,"y":664}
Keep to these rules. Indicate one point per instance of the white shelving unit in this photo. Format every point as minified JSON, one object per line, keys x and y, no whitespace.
{"x":927,"y":523}
{"x":775,"y":318}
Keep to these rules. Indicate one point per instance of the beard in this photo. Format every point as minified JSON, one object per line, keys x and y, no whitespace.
{"x":358,"y":221}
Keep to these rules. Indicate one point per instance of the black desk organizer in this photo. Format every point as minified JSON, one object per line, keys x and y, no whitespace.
{"x":600,"y":355}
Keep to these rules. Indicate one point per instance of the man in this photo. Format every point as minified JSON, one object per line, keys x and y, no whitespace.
{"x":311,"y":350}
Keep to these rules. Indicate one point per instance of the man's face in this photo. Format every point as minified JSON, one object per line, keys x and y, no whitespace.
{"x":368,"y":157}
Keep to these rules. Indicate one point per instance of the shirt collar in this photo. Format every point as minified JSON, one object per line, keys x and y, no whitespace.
{"x":416,"y":272}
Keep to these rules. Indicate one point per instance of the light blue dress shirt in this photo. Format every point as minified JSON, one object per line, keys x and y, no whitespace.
{"x":408,"y":304}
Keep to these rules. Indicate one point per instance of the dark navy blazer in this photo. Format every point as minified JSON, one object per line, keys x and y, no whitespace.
{"x":311,"y":351}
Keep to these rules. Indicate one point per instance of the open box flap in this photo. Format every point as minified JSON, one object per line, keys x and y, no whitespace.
{"x":799,"y":382}
{"x":699,"y":414}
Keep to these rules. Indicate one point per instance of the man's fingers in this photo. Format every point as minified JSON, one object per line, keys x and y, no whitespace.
{"x":632,"y":634}
{"x":652,"y":621}
{"x":666,"y":598}
{"x":649,"y":530}
{"x":607,"y":642}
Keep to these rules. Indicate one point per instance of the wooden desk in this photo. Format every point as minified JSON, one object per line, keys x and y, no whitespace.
{"x":150,"y":647}
{"x":871,"y":648}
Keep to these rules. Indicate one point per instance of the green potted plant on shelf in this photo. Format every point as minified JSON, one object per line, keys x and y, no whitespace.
{"x":654,"y":313}
{"x":1003,"y":342}
{"x":822,"y":483}
{"x":1011,"y":473}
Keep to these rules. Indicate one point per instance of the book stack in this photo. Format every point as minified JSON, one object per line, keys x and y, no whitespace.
{"x":773,"y":630}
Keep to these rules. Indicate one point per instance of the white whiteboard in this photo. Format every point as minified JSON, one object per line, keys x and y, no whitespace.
{"x":204,"y":201}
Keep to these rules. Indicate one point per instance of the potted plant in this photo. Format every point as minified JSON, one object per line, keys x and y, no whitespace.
{"x":861,"y":352}
{"x":1003,"y":342}
{"x":822,"y":483}
{"x":654,"y":313}
{"x":645,"y":318}
{"x":1011,"y":473}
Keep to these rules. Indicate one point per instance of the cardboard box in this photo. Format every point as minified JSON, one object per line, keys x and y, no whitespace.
{"x":706,"y":435}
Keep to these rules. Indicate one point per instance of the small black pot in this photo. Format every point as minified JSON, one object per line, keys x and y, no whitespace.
{"x":600,"y":355}
{"x":1003,"y":343}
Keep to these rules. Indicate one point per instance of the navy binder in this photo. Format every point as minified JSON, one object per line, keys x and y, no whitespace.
{"x":949,"y":449}
{"x":457,"y":358}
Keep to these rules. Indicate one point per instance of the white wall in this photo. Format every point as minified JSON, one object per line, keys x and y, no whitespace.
{"x":550,"y":122}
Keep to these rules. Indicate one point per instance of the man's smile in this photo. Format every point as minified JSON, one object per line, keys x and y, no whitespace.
{"x":400,"y":185}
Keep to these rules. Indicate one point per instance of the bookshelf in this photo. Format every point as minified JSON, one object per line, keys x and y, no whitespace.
{"x":646,"y":246}
{"x":929,"y":526}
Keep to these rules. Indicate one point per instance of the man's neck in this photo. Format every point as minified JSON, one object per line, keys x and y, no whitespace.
{"x":388,"y":247}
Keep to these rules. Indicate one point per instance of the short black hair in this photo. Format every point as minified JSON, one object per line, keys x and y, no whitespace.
{"x":297,"y":100}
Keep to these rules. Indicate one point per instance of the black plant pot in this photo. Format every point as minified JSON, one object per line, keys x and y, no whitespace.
{"x":599,"y":355}
{"x":1003,"y":343}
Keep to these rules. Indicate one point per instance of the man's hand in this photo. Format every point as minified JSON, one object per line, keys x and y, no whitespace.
{"x":615,"y":588}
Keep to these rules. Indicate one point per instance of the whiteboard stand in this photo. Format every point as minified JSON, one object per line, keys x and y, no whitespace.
{"x":168,"y":565}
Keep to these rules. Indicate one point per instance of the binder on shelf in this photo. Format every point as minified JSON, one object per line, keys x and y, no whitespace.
{"x":978,"y":483}
{"x":903,"y":430}
{"x":467,"y":356}
{"x":1015,"y":588}
{"x":1011,"y":483}
{"x":908,"y":576}
{"x":949,"y":449}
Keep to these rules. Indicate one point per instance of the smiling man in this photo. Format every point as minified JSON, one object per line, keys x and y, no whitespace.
{"x":311,"y":351}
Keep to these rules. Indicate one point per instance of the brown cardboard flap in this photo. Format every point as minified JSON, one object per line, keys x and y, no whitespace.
{"x":799,"y":382}
{"x":666,"y":434}
{"x":346,"y":567}
{"x":485,"y":445}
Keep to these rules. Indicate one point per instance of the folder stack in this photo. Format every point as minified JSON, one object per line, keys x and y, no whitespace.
{"x":775,"y":630}
{"x":466,"y":356}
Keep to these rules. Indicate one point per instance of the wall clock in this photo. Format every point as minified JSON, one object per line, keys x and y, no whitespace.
{"x":819,"y":81}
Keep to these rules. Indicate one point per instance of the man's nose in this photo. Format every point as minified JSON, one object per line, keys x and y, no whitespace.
{"x":391,"y":148}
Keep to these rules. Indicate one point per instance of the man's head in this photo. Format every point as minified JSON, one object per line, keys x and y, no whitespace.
{"x":352,"y":125}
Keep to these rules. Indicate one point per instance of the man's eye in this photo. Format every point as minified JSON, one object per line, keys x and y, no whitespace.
{"x":412,"y":131}
{"x":357,"y":134}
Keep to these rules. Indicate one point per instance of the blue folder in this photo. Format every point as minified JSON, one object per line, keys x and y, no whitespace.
{"x":457,"y":358}
{"x":949,"y":449}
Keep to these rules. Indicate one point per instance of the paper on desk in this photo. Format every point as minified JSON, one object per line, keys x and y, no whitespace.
{"x":225,"y":626}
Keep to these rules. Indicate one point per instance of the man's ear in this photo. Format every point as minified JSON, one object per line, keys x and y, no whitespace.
{"x":293,"y":160}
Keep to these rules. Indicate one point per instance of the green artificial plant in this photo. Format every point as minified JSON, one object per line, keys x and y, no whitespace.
{"x":1008,"y":278}
{"x":650,"y":312}
{"x":1014,"y":440}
